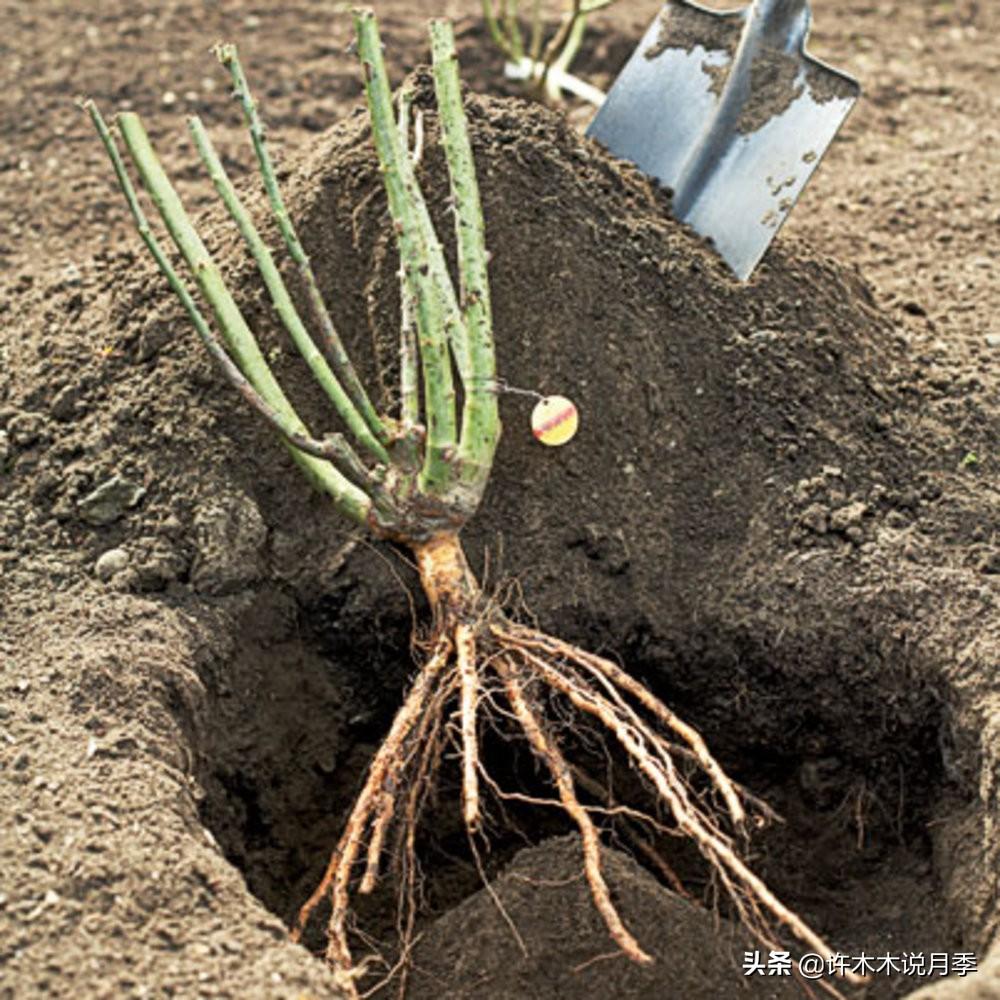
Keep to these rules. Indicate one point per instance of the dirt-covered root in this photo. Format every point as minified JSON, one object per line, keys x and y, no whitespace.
{"x":487,"y":672}
{"x":382,"y":796}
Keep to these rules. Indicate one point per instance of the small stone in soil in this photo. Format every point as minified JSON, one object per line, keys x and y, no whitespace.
{"x":109,"y":501}
{"x":110,"y":563}
{"x":64,"y":403}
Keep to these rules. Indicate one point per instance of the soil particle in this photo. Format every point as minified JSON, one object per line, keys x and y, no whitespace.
{"x":229,"y":536}
{"x":27,"y":429}
{"x":774,"y":86}
{"x":825,"y":84}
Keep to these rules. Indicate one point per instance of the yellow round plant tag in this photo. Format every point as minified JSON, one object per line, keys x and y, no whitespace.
{"x":554,"y":420}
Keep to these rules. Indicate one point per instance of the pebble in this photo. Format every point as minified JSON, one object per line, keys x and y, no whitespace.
{"x":993,"y":340}
{"x":64,"y":403}
{"x":109,"y":501}
{"x":172,"y":526}
{"x":111,"y":563}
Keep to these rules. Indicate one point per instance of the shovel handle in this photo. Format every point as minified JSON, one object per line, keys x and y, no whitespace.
{"x":781,"y":24}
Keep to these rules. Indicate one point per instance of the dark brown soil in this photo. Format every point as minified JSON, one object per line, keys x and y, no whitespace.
{"x":780,"y":512}
{"x":773,"y":88}
{"x":687,"y":29}
{"x":562,"y":953}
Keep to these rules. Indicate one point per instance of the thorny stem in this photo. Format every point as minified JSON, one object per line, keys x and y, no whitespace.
{"x":559,"y":39}
{"x":339,"y":358}
{"x":417,"y":258}
{"x":320,"y":449}
{"x":447,"y":469}
{"x":512,"y":28}
{"x":434,"y":262}
{"x":496,"y":32}
{"x":537,"y":30}
{"x":349,"y":498}
{"x":409,"y":361}
{"x":436,"y":330}
{"x":279,"y":295}
{"x":562,"y":50}
{"x":546,"y":72}
{"x":480,"y":416}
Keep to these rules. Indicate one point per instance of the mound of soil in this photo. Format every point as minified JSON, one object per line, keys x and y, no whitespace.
{"x":562,"y":950}
{"x":772,"y":514}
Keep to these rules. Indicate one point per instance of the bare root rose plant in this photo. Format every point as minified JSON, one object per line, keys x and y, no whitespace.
{"x":414,"y":478}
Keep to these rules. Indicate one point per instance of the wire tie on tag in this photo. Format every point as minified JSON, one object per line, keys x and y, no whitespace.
{"x":501,"y":388}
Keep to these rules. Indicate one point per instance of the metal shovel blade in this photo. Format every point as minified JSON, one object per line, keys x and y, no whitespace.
{"x":728,"y":111}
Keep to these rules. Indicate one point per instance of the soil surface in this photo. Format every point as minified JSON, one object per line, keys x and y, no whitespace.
{"x":780,"y":513}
